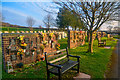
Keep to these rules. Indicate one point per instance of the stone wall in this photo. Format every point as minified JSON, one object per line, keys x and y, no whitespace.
{"x":76,"y":38}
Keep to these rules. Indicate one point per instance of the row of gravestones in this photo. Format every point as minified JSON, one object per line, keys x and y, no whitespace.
{"x":99,"y":35}
{"x":76,"y":38}
{"x":61,"y":34}
{"x":12,"y":44}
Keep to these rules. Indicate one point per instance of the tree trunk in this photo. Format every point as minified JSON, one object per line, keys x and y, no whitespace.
{"x":75,"y":27}
{"x":88,"y":36}
{"x":90,"y":49}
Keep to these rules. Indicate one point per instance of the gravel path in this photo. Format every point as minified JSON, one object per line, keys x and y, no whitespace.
{"x":114,"y":71}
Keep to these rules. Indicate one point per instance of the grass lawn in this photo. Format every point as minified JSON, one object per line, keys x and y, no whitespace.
{"x":93,"y":64}
{"x":117,"y":36}
{"x":18,"y":29}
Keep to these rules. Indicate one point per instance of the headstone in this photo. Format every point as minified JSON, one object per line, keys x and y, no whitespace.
{"x":13,"y":57}
{"x":31,"y":31}
{"x":10,"y":68}
{"x":6,"y":32}
{"x":38,"y":31}
{"x":22,"y":32}
{"x":41,"y":31}
{"x":17,"y":31}
{"x":26,"y":31}
{"x":44,"y":31}
{"x":13,"y":31}
{"x":35,"y":31}
{"x":59,"y":37}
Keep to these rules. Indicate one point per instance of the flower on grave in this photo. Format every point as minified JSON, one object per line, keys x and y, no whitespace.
{"x":23,"y":44}
{"x":20,"y":37}
{"x":42,"y":34}
{"x":50,"y":35}
{"x":42,"y":47}
{"x":20,"y":51}
{"x":34,"y":49}
{"x":53,"y":40}
{"x":58,"y":46}
{"x":45,"y":42}
{"x":80,"y":31}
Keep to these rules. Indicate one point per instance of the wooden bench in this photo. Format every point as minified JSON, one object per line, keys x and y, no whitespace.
{"x":58,"y":62}
{"x":101,"y":43}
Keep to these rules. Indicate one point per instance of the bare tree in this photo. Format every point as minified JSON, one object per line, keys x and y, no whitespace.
{"x":30,"y":22}
{"x":93,"y":14}
{"x":48,"y":21}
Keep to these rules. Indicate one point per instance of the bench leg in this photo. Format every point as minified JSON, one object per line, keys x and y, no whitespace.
{"x":78,"y":70}
{"x":60,"y":76}
{"x":48,"y":75}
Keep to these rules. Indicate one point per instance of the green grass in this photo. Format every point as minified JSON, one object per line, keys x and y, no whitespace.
{"x":93,"y":64}
{"x":17,"y":29}
{"x":116,"y":36}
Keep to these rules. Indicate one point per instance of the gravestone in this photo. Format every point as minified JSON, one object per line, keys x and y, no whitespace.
{"x":13,"y":57}
{"x":31,"y":31}
{"x":35,"y":31}
{"x":22,"y":32}
{"x":27,"y":31}
{"x":38,"y":31}
{"x":6,"y":32}
{"x":59,"y":37}
{"x":13,"y":31}
{"x":0,"y":32}
{"x":17,"y":31}
{"x":44,"y":31}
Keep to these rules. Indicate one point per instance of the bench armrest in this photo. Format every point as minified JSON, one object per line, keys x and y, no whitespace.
{"x":74,"y":56}
{"x":58,"y":66}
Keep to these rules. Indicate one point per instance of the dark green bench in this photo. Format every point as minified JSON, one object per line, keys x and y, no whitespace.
{"x":101,"y":43}
{"x":59,"y":63}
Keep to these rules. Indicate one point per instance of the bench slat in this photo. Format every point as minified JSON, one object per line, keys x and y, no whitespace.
{"x":54,"y":56}
{"x":58,"y":59}
{"x":56,"y":52}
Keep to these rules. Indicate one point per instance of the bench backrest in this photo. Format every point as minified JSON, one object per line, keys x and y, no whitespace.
{"x":57,"y":57}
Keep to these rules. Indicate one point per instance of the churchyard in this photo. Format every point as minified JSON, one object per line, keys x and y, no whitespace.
{"x":23,"y":53}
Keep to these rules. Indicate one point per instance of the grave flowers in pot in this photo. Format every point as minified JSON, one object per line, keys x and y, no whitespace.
{"x":20,"y":52}
{"x":42,"y":48}
{"x":50,"y":35}
{"x":21,"y":41}
{"x":57,"y":46}
{"x":45,"y":43}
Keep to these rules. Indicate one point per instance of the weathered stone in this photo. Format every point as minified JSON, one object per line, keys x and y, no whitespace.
{"x":44,"y":31}
{"x":82,"y":76}
{"x":6,"y":32}
{"x":17,"y":31}
{"x":27,"y":31}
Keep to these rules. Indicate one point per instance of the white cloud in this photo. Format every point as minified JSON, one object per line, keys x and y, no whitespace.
{"x":14,"y":11}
